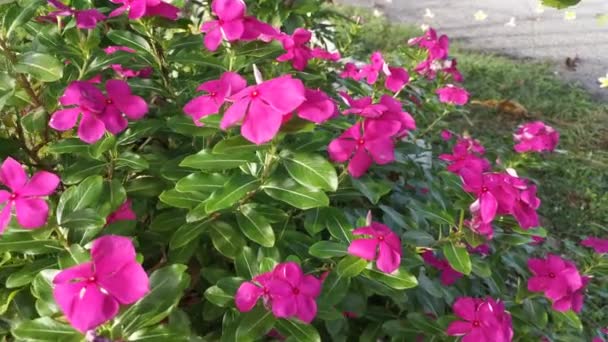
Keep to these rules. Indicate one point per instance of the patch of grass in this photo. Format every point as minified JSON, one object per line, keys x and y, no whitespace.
{"x":574,"y":180}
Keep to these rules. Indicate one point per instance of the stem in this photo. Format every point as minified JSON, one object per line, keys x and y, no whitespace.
{"x":427,"y":130}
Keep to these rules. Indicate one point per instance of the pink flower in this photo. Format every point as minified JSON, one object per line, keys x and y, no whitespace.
{"x":371,"y":71}
{"x":394,"y":112}
{"x":375,"y":144}
{"x":217,"y":93}
{"x":98,"y":112}
{"x":230,"y":23}
{"x":85,"y":19}
{"x":162,"y":9}
{"x":437,"y":47}
{"x":286,"y":290}
{"x":535,"y":136}
{"x":453,"y":95}
{"x":483,"y":249}
{"x":130,"y":73}
{"x":261,"y":107}
{"x":537,"y":240}
{"x":318,"y":107}
{"x":524,"y":208}
{"x":256,"y":29}
{"x":115,"y":48}
{"x":383,"y":245}
{"x":573,"y":300}
{"x":599,"y":245}
{"x":482,"y":321}
{"x":123,"y":213}
{"x":448,"y":275}
{"x":25,"y":196}
{"x":350,"y":71}
{"x":320,"y":53}
{"x":396,"y":78}
{"x":362,"y":106}
{"x":450,"y":68}
{"x":294,"y":293}
{"x":90,"y":293}
{"x":446,"y":135}
{"x":140,"y":8}
{"x":248,"y":293}
{"x":296,"y":48}
{"x":554,"y":276}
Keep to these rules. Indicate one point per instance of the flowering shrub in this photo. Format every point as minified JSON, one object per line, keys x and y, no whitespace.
{"x":220,"y":171}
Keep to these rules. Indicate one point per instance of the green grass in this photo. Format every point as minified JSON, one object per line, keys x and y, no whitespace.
{"x":573,"y":182}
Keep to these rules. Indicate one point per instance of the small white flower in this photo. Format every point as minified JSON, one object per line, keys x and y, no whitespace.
{"x":480,"y":15}
{"x":603,"y":81}
{"x":569,"y":15}
{"x":424,"y":27}
{"x":428,"y":13}
{"x":511,"y":22}
{"x":377,"y":13}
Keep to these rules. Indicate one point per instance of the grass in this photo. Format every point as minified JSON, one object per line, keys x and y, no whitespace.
{"x":573,"y":182}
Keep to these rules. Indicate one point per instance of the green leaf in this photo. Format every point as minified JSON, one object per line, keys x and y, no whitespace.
{"x":69,"y":145}
{"x":187,"y":233}
{"x":311,"y":170}
{"x":42,"y":290}
{"x":400,"y":279}
{"x":570,"y":317}
{"x":234,"y":189}
{"x":255,"y":226}
{"x":145,"y":187}
{"x":201,"y":182}
{"x":458,"y":257}
{"x":87,"y":194}
{"x":158,"y":334}
{"x":23,"y":14}
{"x":337,"y":224}
{"x":299,"y":331}
{"x":168,"y":221}
{"x":183,"y":125}
{"x":102,"y":145}
{"x":559,"y":4}
{"x":130,"y":39}
{"x":204,"y":160}
{"x":23,"y":242}
{"x":83,"y":219}
{"x":236,"y":144}
{"x":217,"y":296}
{"x":81,"y":170}
{"x":166,"y":290}
{"x":371,"y":188}
{"x":246,"y":264}
{"x":294,"y":194}
{"x":226,"y":239}
{"x":45,"y":329}
{"x":178,"y":199}
{"x":42,"y":67}
{"x":26,"y":274}
{"x":328,"y":250}
{"x":255,"y":324}
{"x":334,"y":289}
{"x":351,"y":266}
{"x":132,"y":161}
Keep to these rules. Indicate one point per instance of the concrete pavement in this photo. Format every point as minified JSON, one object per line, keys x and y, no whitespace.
{"x":519,"y":28}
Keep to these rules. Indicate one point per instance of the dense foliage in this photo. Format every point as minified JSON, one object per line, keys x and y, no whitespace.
{"x":219,"y":171}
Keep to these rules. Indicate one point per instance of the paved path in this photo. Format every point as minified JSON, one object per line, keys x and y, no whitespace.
{"x":541,"y":34}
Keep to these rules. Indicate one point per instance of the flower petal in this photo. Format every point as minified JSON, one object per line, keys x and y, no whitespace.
{"x":285,"y":94}
{"x":340,"y":149}
{"x":31,"y":212}
{"x":233,"y":30}
{"x":12,"y":174}
{"x":43,"y":183}
{"x":228,"y":9}
{"x":262,"y":123}
{"x":113,"y":120}
{"x":289,"y":272}
{"x":64,"y":119}
{"x":459,"y":328}
{"x":5,"y":216}
{"x":91,"y":129}
{"x":465,"y":307}
{"x":307,"y":308}
{"x":234,"y":114}
{"x":133,"y":106}
{"x":127,"y":285}
{"x":74,"y":274}
{"x":284,"y":307}
{"x":310,"y":286}
{"x":85,"y":307}
{"x":247,"y":296}
{"x":111,"y":252}
{"x":389,"y":259}
{"x":201,"y":106}
{"x":360,"y":163}
{"x":364,"y":248}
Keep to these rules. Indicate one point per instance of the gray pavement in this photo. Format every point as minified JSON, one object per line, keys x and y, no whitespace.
{"x":534,"y":32}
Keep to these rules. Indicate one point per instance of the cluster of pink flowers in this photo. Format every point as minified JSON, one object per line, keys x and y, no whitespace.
{"x":298,"y":50}
{"x":125,"y":72}
{"x":381,"y":245}
{"x":395,"y":77}
{"x":600,"y":246}
{"x":90,"y":294}
{"x":99,"y":113}
{"x":233,"y":25}
{"x":497,"y":193}
{"x":448,"y":275}
{"x":482,"y":320}
{"x":123,"y":213}
{"x":145,"y":8}
{"x":559,"y":280}
{"x":535,"y":137}
{"x":261,"y":108}
{"x":286,"y":290}
{"x":373,"y":139}
{"x":85,"y":19}
{"x":25,"y":195}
